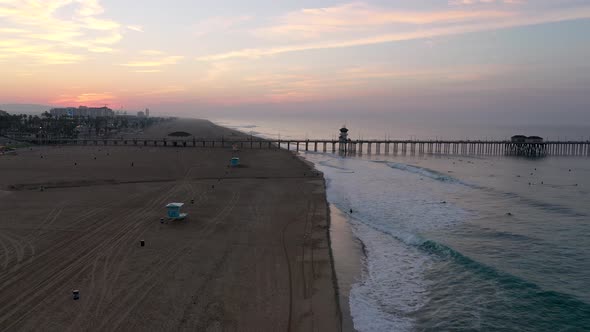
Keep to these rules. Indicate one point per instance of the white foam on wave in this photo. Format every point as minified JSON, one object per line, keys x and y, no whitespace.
{"x":424,"y":172}
{"x":390,"y":201}
{"x":391,"y":211}
{"x":392,"y":284}
{"x":328,"y":164}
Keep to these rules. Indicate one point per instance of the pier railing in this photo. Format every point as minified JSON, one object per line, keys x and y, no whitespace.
{"x":394,"y":147}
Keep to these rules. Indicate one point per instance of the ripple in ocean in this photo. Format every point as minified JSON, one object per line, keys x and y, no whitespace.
{"x":466,"y":244}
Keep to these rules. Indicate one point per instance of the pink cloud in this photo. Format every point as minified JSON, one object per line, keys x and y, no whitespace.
{"x":90,"y":98}
{"x":358,"y":24}
{"x":360,"y":17}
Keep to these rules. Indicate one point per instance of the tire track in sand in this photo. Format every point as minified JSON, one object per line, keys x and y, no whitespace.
{"x":207,"y":230}
{"x":65,"y":271}
{"x":17,"y":245}
{"x":110,"y":273}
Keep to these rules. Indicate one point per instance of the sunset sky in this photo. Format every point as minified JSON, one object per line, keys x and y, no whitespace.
{"x":178,"y":56}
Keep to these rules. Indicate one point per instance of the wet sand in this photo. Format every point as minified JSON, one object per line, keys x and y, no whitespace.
{"x":252,"y":255}
{"x":348,"y":258}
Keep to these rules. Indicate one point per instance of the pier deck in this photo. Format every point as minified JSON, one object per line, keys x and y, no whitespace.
{"x":394,"y":147}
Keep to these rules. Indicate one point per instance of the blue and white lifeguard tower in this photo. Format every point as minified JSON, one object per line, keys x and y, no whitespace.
{"x":174,"y":211}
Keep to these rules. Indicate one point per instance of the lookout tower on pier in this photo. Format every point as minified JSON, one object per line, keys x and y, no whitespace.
{"x":343,"y":138}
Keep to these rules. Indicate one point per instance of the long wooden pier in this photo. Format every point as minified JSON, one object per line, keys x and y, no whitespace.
{"x":390,"y":147}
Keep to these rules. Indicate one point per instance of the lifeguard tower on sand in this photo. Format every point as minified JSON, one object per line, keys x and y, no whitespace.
{"x":174,"y":211}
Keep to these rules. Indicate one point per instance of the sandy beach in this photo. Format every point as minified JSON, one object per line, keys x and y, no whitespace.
{"x":253,"y":254}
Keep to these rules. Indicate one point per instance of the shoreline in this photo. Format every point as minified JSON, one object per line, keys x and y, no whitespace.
{"x":345,"y":270}
{"x":347,"y":253}
{"x":347,"y":257}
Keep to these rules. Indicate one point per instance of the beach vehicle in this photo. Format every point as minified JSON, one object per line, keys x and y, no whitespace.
{"x":235,"y":161}
{"x":174,"y":211}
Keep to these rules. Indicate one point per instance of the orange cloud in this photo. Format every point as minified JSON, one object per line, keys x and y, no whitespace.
{"x":148,"y":71}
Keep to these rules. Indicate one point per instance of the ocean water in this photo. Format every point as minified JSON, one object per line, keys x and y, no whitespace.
{"x":463,"y":243}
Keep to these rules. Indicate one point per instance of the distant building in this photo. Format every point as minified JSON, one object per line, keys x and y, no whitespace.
{"x":526,"y":139}
{"x":534,"y":139}
{"x":82,"y":111}
{"x":518,"y":139}
{"x":147,"y":112}
{"x":62,"y":111}
{"x":140,"y":114}
{"x":3,"y":113}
